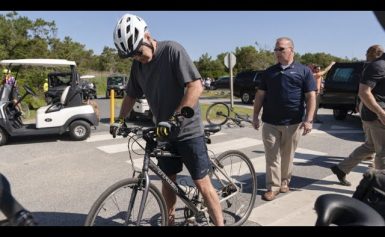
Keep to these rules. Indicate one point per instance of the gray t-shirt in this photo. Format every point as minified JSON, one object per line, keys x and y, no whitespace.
{"x":163,"y":81}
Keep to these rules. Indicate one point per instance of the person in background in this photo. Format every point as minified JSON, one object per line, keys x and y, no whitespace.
{"x":318,"y":76}
{"x":10,"y":80}
{"x":48,"y":99}
{"x":283,"y":92}
{"x":372,"y":89}
{"x":16,"y":214}
{"x":163,"y":71}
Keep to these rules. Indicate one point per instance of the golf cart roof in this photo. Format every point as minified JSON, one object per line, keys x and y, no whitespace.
{"x":38,"y":62}
{"x":87,"y":77}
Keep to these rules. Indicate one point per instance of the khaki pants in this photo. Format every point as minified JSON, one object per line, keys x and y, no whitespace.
{"x":374,"y":142}
{"x":280,"y":144}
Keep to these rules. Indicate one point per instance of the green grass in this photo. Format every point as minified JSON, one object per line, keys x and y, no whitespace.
{"x":238,"y":109}
{"x":216,"y":93}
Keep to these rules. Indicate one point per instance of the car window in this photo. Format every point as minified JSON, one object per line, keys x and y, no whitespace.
{"x":57,"y":79}
{"x":117,"y":81}
{"x":342,"y":74}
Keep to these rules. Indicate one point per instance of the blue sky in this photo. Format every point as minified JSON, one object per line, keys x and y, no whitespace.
{"x":340,"y":33}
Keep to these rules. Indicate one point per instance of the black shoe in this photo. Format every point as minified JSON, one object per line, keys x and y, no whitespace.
{"x":23,"y":218}
{"x":340,"y":175}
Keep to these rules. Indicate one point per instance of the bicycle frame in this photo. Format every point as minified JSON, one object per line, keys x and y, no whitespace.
{"x":144,"y":180}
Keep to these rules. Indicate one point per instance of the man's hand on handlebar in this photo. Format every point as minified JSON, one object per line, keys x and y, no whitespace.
{"x":115,"y":127}
{"x":169,"y":129}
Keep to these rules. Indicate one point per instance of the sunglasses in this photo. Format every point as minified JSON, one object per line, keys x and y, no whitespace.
{"x":280,"y":49}
{"x":140,"y":53}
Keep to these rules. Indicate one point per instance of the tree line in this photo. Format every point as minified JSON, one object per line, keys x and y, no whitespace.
{"x":21,"y":37}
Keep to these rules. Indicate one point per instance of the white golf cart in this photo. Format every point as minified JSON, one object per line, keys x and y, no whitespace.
{"x":69,"y":114}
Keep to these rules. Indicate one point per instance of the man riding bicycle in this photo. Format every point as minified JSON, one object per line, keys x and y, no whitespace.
{"x":165,"y":74}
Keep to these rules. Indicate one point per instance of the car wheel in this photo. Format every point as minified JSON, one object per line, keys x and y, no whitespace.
{"x":340,"y":114}
{"x":80,"y":130}
{"x":3,"y":137}
{"x":246,"y":98}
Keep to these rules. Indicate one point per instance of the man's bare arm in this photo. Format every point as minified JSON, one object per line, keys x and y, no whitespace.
{"x":194,"y":90}
{"x":127,"y":105}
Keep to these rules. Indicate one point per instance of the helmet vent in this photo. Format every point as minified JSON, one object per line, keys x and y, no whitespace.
{"x":129,"y":44}
{"x":119,"y":34}
{"x":122,"y":45}
{"x":128,"y":28}
{"x":136,"y":33}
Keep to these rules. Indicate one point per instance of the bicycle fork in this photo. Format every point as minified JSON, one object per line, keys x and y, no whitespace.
{"x":144,"y":182}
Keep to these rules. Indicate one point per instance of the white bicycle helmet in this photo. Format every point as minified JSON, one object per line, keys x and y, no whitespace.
{"x":129,"y":34}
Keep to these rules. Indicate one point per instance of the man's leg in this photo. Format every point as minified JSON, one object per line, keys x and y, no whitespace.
{"x":290,"y":138}
{"x":376,"y":133}
{"x":211,"y":198}
{"x":197,"y":161}
{"x":271,"y":136}
{"x":170,"y":198}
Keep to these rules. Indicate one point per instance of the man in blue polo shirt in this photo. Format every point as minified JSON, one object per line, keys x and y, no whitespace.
{"x":284,"y":90}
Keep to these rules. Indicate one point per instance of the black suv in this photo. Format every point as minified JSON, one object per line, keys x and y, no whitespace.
{"x":246,"y":84}
{"x":340,"y":91}
{"x":220,"y":83}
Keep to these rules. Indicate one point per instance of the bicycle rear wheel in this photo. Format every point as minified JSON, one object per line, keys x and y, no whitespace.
{"x":217,"y":113}
{"x":239,"y":169}
{"x":110,"y":209}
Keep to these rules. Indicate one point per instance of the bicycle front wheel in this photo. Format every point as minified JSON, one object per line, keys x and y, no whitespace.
{"x":111,"y":208}
{"x":217,"y":113}
{"x":236,"y":185}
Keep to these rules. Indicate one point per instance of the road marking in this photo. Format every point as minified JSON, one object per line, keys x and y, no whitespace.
{"x":122,"y":147}
{"x":101,"y":137}
{"x":216,"y":148}
{"x":259,"y":163}
{"x":335,"y":131}
{"x":234,"y":144}
{"x":105,"y":137}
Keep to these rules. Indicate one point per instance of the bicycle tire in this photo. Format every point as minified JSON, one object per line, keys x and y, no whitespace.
{"x":237,"y":166}
{"x":110,"y":209}
{"x":218,"y":113}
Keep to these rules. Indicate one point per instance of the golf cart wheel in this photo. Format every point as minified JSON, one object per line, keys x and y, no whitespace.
{"x":80,"y":130}
{"x":3,"y":137}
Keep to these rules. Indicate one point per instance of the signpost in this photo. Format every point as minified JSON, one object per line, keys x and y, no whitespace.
{"x":230,"y":61}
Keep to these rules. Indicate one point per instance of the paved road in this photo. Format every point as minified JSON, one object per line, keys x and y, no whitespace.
{"x":59,"y":179}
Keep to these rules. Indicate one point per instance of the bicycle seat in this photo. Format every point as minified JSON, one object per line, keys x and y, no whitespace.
{"x":341,"y":210}
{"x":212,"y":128}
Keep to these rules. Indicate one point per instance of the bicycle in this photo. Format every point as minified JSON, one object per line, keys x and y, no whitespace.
{"x":137,"y":201}
{"x":219,"y":114}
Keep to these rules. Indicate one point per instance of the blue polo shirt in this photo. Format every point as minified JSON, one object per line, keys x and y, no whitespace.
{"x":284,"y":102}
